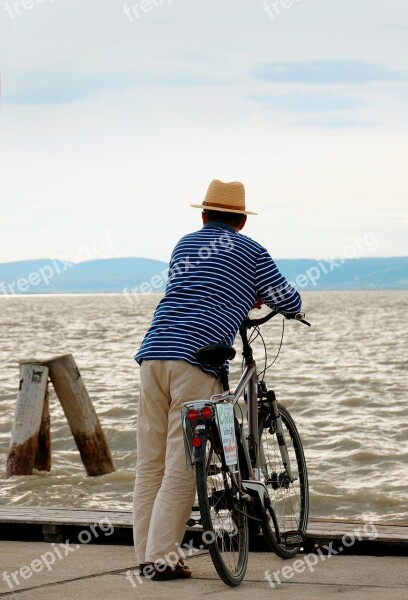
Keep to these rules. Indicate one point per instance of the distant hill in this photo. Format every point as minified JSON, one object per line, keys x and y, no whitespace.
{"x":349,"y":274}
{"x":49,"y":276}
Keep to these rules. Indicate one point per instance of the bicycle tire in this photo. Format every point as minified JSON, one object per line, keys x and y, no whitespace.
{"x":289,"y":500}
{"x":220,"y":511}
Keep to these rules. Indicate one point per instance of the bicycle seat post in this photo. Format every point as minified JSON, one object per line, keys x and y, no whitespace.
{"x":223,"y":375}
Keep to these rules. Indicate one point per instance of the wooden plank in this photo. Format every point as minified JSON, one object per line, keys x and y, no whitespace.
{"x":385,"y":532}
{"x":61,"y":516}
{"x":318,"y":528}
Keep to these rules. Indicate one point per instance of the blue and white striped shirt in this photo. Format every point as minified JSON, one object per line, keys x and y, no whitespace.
{"x":215,"y":276}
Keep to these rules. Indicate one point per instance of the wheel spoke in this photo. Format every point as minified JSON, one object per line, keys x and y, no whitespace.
{"x":289,"y":497}
{"x":225,"y":527}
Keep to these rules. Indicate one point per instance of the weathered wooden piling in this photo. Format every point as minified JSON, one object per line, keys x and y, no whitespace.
{"x":30,"y":445}
{"x":43,"y":456}
{"x":80,"y":414}
{"x":27,"y":419}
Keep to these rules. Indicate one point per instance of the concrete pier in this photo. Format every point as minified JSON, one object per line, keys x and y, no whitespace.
{"x":106,"y":572}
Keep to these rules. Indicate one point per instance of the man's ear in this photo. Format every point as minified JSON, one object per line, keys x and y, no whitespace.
{"x":204,"y":217}
{"x":242,"y":224}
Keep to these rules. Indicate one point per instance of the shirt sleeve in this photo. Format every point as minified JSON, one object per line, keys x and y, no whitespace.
{"x":172,"y":268}
{"x":273,"y":288}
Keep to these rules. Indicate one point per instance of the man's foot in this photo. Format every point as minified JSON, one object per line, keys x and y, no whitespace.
{"x":178,"y":571}
{"x":142,"y":567}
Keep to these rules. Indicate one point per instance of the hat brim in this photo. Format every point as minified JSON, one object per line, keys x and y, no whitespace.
{"x":239,"y":212}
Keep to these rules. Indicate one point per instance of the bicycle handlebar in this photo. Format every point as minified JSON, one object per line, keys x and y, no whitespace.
{"x":248,"y":323}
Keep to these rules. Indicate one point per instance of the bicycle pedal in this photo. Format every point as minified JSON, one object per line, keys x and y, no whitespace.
{"x":193,"y":522}
{"x":293,"y":538}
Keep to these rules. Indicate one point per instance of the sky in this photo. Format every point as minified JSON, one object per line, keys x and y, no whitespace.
{"x":116,"y":116}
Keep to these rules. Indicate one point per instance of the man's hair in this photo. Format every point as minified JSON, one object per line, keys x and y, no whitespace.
{"x":234,"y":219}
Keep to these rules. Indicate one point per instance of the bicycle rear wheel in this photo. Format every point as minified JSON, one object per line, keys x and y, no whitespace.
{"x":222,"y":515}
{"x":289,"y":498}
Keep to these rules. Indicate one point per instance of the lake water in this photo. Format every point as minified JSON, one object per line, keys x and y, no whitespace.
{"x":344,"y":380}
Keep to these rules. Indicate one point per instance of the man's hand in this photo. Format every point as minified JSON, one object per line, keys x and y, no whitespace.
{"x":258,"y":303}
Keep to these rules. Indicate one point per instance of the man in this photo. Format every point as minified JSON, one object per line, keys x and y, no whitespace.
{"x":216,"y":275}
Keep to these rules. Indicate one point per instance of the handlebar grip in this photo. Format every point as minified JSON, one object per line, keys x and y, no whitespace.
{"x":305,"y":322}
{"x":301,"y":318}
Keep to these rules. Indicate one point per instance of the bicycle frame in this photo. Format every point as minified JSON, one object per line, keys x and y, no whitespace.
{"x":252,"y":449}
{"x":249,"y":378}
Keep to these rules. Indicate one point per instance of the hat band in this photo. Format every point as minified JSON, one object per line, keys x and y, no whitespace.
{"x":221,"y":205}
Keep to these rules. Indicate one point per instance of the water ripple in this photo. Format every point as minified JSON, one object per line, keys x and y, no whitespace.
{"x":344,"y":381}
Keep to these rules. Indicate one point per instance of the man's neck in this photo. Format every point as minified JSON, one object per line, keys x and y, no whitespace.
{"x":222,"y":225}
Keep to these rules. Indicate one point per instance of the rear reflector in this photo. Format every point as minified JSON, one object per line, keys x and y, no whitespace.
{"x":192,"y":414}
{"x":207,"y":412}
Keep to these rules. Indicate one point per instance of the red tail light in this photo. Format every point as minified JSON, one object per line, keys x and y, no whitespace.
{"x":207,"y":412}
{"x":192,"y":414}
{"x":197,"y":442}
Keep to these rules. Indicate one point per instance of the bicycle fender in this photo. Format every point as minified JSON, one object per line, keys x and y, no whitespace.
{"x":199,"y":453}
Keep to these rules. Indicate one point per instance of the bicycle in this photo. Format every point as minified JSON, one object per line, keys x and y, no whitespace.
{"x":254,"y":481}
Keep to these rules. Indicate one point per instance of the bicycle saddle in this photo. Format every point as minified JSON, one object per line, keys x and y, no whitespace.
{"x":215,"y":355}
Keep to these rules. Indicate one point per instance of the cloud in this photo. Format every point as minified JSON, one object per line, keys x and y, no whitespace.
{"x":106,"y":122}
{"x":326,"y":72}
{"x":68,"y":86}
{"x":299,"y":101}
{"x":327,"y":121}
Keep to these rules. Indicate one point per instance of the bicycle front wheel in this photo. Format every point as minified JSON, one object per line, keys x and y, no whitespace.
{"x":223,"y":516}
{"x":289,"y":496}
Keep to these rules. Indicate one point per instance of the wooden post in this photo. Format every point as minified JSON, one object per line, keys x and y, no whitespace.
{"x":43,"y":456}
{"x":81,"y":416}
{"x":27,"y":419}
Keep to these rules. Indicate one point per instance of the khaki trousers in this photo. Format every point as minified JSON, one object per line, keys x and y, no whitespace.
{"x":164,"y":488}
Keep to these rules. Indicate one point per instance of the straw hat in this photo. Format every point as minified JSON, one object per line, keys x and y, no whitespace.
{"x":225,"y":197}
